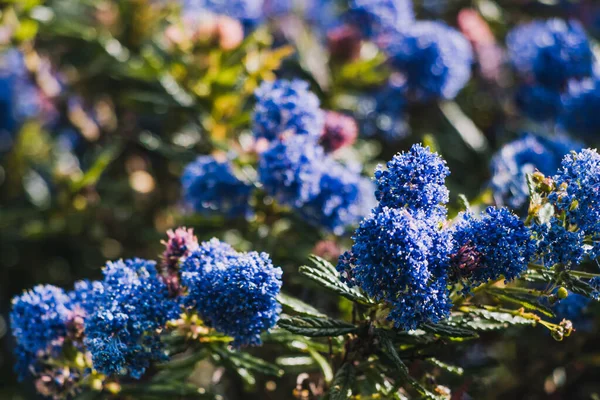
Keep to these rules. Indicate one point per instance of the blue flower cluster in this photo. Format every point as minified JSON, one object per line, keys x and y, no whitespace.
{"x":210,"y":186}
{"x":286,"y":107}
{"x":400,"y":254}
{"x":497,"y":244}
{"x":130,"y":306}
{"x":297,"y":173}
{"x":550,"y":52}
{"x":404,"y":254}
{"x":384,"y":112}
{"x":434,"y":58}
{"x":235,"y":293}
{"x":580,"y":112}
{"x":556,"y":244}
{"x":525,"y":155}
{"x":577,"y":198}
{"x":374,"y":17}
{"x":19,"y":97}
{"x":248,"y":11}
{"x":117,"y":322}
{"x":414,"y":180}
{"x":547,"y":54}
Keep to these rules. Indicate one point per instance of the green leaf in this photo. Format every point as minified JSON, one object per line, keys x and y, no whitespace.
{"x":323,"y":364}
{"x":522,"y":299}
{"x":449,"y":330}
{"x":576,"y":285}
{"x":102,"y":162}
{"x":248,"y":362}
{"x":316,"y":327}
{"x":388,"y":351}
{"x":341,"y":387}
{"x":333,"y":283}
{"x":290,"y":303}
{"x":453,"y":369}
{"x":464,"y":126}
{"x":463,"y":202}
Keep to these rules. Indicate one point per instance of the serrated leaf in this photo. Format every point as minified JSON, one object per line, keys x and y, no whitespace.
{"x":524,"y":300}
{"x":341,"y":387}
{"x":316,"y":327}
{"x":290,"y":303}
{"x":531,"y":186}
{"x":333,"y":284}
{"x":450,"y":331}
{"x":505,"y":319}
{"x":323,"y":264}
{"x":453,"y":369}
{"x":576,"y":285}
{"x":388,"y":350}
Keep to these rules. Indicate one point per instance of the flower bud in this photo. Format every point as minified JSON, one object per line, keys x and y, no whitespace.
{"x":562,"y":293}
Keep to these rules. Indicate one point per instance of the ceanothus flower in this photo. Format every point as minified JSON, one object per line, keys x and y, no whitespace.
{"x":540,"y":103}
{"x":345,"y":197}
{"x":581,"y":103}
{"x":578,"y":194}
{"x":374,"y":17}
{"x":291,"y":170}
{"x":234,"y":293}
{"x":551,"y":52}
{"x":210,"y":186}
{"x":556,"y":244}
{"x":286,"y":107}
{"x":38,"y":321}
{"x":495,"y":245}
{"x":402,"y":259}
{"x":523,"y":156}
{"x":131,"y":305}
{"x":414,"y":180}
{"x":384,"y":112}
{"x":244,"y":10}
{"x":434,"y":58}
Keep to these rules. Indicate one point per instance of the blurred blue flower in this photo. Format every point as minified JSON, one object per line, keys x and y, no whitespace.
{"x":234,"y":293}
{"x":374,"y":17}
{"x":414,"y":180}
{"x":344,"y":198}
{"x":530,"y":152}
{"x":210,"y":187}
{"x":286,"y":107}
{"x":248,"y":11}
{"x":131,"y":304}
{"x":434,"y":58}
{"x":581,"y":104}
{"x":291,"y":170}
{"x":384,"y":112}
{"x":539,"y":102}
{"x":498,"y":241}
{"x":551,"y":52}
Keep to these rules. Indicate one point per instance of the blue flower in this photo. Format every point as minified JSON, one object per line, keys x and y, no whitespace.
{"x":130,"y":306}
{"x":523,"y":156}
{"x":374,"y":17}
{"x":434,"y":59}
{"x":210,"y":186}
{"x":539,"y":103}
{"x":344,"y":198}
{"x":384,"y":111}
{"x":497,"y":244}
{"x":551,"y":52}
{"x":578,"y":194}
{"x":573,"y":308}
{"x":286,"y":107}
{"x":38,"y":321}
{"x":401,"y":259}
{"x":580,"y":114}
{"x":415,"y":180}
{"x":234,"y":293}
{"x":291,"y":170}
{"x":245,"y":10}
{"x":19,"y":97}
{"x":558,"y":245}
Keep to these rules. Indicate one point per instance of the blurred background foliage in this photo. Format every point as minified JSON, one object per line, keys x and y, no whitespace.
{"x":115,"y":98}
